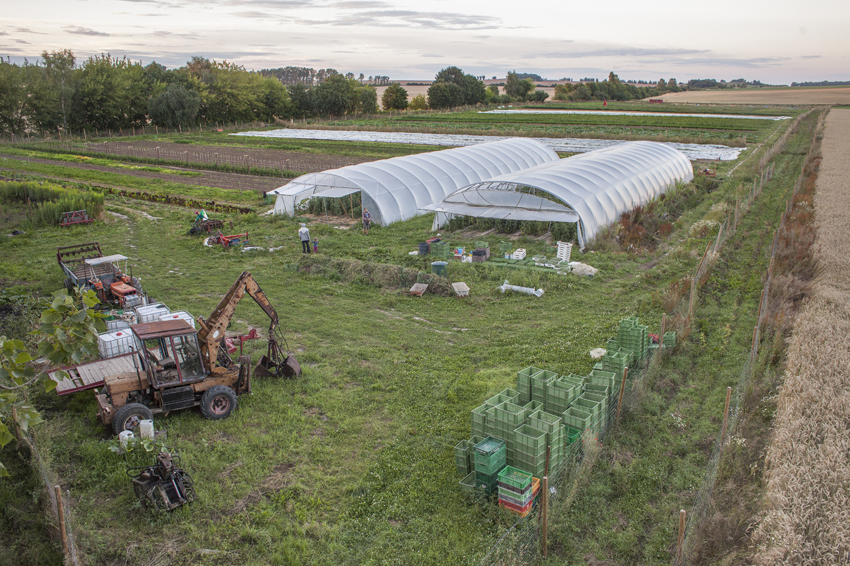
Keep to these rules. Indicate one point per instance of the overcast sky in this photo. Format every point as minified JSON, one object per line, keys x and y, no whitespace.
{"x":775,"y":41}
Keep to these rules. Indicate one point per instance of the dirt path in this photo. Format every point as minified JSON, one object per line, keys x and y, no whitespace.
{"x":205,"y":179}
{"x":808,"y":461}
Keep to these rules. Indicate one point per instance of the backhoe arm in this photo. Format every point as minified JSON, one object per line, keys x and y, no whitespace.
{"x":211,"y":333}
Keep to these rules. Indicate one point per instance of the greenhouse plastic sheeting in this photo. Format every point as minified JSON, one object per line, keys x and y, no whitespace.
{"x":592,"y":189}
{"x":396,"y":189}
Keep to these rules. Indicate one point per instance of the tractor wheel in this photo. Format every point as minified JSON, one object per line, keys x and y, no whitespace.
{"x":129,"y":416}
{"x":218,"y":402}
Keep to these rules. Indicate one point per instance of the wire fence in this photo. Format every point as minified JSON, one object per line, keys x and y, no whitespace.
{"x":521,"y":543}
{"x":59,"y":509}
{"x":690,"y":535}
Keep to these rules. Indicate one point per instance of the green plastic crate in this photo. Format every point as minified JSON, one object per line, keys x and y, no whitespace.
{"x":462,"y":458}
{"x":490,"y":455}
{"x":530,"y":440}
{"x":479,"y":420}
{"x":515,"y":478}
{"x":510,"y":413}
{"x":572,"y":434}
{"x":669,"y":340}
{"x":578,"y":418}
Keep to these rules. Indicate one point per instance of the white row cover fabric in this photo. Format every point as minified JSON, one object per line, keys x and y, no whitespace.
{"x":398,"y":188}
{"x":592,"y":189}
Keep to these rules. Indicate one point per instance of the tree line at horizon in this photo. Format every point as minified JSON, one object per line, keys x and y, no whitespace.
{"x":108,"y":93}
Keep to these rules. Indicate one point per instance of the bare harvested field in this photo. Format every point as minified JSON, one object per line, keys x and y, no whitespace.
{"x":807,"y":466}
{"x":293,"y":160}
{"x":204,"y":179}
{"x":836,"y":95}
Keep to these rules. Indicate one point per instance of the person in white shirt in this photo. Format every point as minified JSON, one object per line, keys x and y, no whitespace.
{"x":304,"y":234}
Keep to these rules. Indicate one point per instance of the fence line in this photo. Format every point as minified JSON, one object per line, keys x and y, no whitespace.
{"x":703,"y":497}
{"x":37,"y":462}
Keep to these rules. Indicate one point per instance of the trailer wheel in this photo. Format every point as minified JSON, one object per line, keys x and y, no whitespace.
{"x":68,"y":285}
{"x":218,"y":402}
{"x":129,"y":416}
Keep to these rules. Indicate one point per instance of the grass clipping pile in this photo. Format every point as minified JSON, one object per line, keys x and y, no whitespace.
{"x":807,"y":467}
{"x":375,"y":274}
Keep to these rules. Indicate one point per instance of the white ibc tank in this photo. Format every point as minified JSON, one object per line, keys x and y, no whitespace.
{"x":179,"y":314}
{"x":151,"y":313}
{"x":113,"y":344}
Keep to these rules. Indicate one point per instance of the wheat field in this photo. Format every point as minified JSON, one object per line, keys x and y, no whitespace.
{"x":797,"y":95}
{"x":807,"y":467}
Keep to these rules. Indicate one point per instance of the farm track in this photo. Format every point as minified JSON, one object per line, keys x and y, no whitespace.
{"x":808,"y":461}
{"x":205,"y":179}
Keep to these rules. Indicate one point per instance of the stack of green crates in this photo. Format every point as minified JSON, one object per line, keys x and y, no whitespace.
{"x":669,"y":340}
{"x":490,"y":457}
{"x":555,"y":434}
{"x":505,"y":248}
{"x":591,"y":406}
{"x":560,"y":393}
{"x":441,"y":250}
{"x":539,"y":384}
{"x":465,"y":455}
{"x":523,"y":382}
{"x":578,"y":418}
{"x":601,"y":380}
{"x":613,"y":361}
{"x":633,"y":336}
{"x":530,"y":451}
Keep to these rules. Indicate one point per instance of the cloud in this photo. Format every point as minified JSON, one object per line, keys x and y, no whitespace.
{"x":266,"y":3}
{"x":359,"y":4}
{"x":420,"y":20}
{"x":617,"y":52}
{"x":254,"y":14}
{"x":26,"y":30}
{"x":84,"y":31}
{"x":810,"y":57}
{"x":163,"y":33}
{"x":754,"y":63}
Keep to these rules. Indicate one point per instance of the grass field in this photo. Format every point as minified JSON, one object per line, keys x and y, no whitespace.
{"x":353,"y":462}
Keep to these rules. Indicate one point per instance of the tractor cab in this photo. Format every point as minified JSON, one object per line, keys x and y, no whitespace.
{"x":169,"y":353}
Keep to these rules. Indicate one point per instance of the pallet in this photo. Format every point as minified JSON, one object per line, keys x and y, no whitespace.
{"x":91,"y":374}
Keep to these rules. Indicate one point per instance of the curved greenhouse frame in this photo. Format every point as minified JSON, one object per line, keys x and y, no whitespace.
{"x":398,"y":188}
{"x":592,"y":189}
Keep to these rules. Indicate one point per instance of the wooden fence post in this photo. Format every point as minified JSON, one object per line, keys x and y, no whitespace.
{"x":663,"y":330}
{"x":61,"y":510}
{"x":681,"y":536}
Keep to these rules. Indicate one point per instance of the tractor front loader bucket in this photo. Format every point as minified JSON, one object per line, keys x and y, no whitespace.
{"x":276,"y":363}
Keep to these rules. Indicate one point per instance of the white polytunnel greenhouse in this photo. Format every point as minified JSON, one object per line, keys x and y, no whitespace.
{"x":398,"y":188}
{"x":592,"y":189}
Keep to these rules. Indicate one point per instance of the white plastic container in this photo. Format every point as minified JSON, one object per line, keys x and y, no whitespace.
{"x":115,"y":343}
{"x":518,"y":254}
{"x":116,"y":325}
{"x":146,"y":429}
{"x":179,"y":314}
{"x":124,"y":438}
{"x":564,"y":251}
{"x":151,"y":313}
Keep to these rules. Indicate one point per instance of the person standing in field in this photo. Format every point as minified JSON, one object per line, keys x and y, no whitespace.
{"x":367,"y":219}
{"x":304,"y":234}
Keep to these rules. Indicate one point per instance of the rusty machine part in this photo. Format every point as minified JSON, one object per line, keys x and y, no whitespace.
{"x":229,"y":241}
{"x":165,"y":485}
{"x":277,"y":363}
